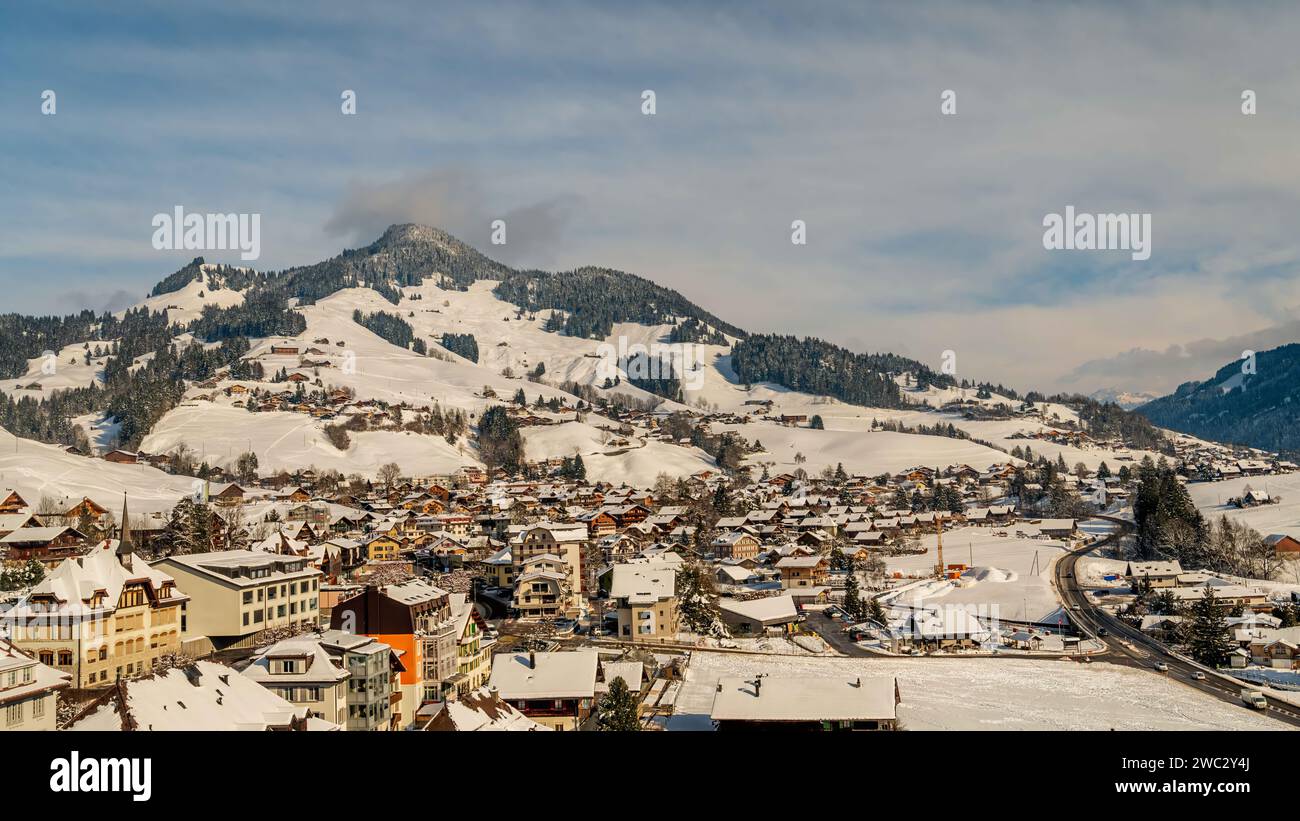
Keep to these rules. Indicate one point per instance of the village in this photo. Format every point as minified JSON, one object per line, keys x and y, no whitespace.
{"x":482,"y":600}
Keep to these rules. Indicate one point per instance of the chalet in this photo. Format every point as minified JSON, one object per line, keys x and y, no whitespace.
{"x":1057,"y":528}
{"x":837,"y":703}
{"x":477,"y":711}
{"x":1159,"y":574}
{"x":48,"y":545}
{"x":231,"y":494}
{"x":11,"y":502}
{"x":1278,"y":653}
{"x":284,"y":350}
{"x":599,"y":522}
{"x":9,"y":522}
{"x":122,"y":457}
{"x":556,"y":690}
{"x":212,"y":696}
{"x":293,"y":494}
{"x":1284,"y":546}
{"x":736,"y":545}
{"x":1230,"y":595}
{"x":803,"y":571}
{"x":85,"y":509}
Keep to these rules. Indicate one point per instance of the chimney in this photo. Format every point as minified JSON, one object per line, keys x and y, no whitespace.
{"x":532,"y":660}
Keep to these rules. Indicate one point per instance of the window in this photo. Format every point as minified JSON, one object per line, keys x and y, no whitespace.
{"x":14,"y":714}
{"x":38,"y":707}
{"x":248,"y":597}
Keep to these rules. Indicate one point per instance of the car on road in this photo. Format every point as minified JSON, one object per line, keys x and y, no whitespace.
{"x":1103,"y":632}
{"x":1161,"y":667}
{"x":1197,"y":675}
{"x":1254,"y":698}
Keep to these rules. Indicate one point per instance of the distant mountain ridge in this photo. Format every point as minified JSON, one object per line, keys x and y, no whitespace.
{"x":1128,"y":400}
{"x":1260,"y":409}
{"x":585,"y":303}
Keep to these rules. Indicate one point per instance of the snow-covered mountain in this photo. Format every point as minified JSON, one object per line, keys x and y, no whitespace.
{"x":420,"y":320}
{"x":1128,"y":400}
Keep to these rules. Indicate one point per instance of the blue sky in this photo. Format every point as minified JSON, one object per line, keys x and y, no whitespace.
{"x":924,"y":231}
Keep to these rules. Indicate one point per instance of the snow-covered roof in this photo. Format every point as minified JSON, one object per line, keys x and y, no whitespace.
{"x":769,"y":610}
{"x":77,"y":579}
{"x":564,"y":674}
{"x":739,"y":698}
{"x":481,"y":711}
{"x":652,"y":580}
{"x":202,"y":696}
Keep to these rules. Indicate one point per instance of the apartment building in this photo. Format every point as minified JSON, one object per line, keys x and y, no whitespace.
{"x":415,"y":619}
{"x":565,"y":541}
{"x":556,"y":690}
{"x":646,"y":598}
{"x":473,"y":646}
{"x":28,"y":690}
{"x":302,"y":672}
{"x":374,"y":691}
{"x":236,"y":594}
{"x":100,"y":617}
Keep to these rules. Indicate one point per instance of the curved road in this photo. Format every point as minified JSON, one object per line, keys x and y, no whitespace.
{"x":1127,"y":645}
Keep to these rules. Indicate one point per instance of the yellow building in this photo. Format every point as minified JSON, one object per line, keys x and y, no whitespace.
{"x":646,"y":597}
{"x":473,"y":647}
{"x":28,"y":690}
{"x":100,"y":617}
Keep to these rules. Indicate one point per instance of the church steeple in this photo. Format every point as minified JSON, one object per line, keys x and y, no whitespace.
{"x":124,"y":547}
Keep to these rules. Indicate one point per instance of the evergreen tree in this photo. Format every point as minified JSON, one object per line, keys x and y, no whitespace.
{"x":1208,"y":639}
{"x":618,"y":709}
{"x":852,"y":598}
{"x":697,"y":601}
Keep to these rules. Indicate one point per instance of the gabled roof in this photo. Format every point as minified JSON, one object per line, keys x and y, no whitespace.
{"x":202,"y":696}
{"x":565,"y":674}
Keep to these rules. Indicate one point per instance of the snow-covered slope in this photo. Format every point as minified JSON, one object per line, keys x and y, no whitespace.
{"x":185,"y":305}
{"x":66,"y":369}
{"x":37,"y":470}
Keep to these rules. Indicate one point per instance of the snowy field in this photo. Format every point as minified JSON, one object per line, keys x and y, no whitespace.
{"x":862,"y":452}
{"x":1003,"y":572}
{"x":1284,"y":517}
{"x":37,"y":470}
{"x":990,"y":694}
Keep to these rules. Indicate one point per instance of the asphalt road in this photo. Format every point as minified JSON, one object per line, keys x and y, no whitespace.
{"x":1127,"y":645}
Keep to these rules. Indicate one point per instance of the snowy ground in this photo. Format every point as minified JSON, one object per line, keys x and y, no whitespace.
{"x":1283,"y":517}
{"x":218,"y":434}
{"x":990,"y":694}
{"x":1003,"y":572}
{"x":37,"y":470}
{"x":862,"y":452}
{"x":68,"y":369}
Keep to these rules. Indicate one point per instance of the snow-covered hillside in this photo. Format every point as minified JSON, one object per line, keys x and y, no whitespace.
{"x":38,"y":470}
